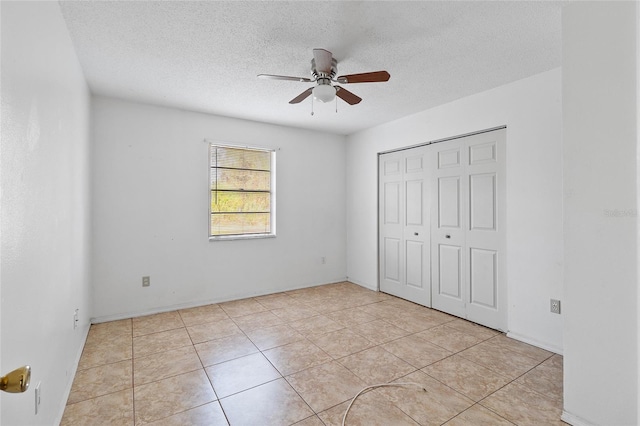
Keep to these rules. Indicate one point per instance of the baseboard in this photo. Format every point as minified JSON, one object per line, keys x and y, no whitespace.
{"x":195,"y":304}
{"x":574,"y":420}
{"x":362,"y":284}
{"x":535,"y":342}
{"x":76,"y":362}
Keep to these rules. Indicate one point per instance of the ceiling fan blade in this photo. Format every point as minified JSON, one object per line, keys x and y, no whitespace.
{"x":347,"y":96}
{"x":365,"y":77}
{"x":323,"y":60}
{"x":283,"y":77}
{"x":301,"y":97}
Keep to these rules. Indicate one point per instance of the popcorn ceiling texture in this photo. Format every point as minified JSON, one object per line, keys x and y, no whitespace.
{"x":204,"y":56}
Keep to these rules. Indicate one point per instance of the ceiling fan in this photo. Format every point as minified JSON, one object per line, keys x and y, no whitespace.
{"x":323,"y":72}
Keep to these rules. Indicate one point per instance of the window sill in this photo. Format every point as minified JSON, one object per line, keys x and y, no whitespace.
{"x":241,"y":237}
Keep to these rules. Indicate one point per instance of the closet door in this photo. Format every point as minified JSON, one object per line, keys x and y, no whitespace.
{"x":447,"y":228}
{"x":485,"y":234}
{"x":404,"y":247}
{"x":468,"y":232}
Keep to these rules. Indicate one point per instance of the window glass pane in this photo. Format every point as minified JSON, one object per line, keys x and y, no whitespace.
{"x":238,"y":158}
{"x":247,"y":180}
{"x":222,"y":201}
{"x":238,"y":224}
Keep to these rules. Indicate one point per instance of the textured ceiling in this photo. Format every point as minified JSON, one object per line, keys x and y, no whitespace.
{"x":205,"y":55}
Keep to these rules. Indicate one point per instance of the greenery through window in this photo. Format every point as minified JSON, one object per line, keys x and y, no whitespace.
{"x":242,"y":196}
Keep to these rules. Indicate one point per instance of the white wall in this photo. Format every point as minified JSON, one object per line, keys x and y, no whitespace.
{"x":531,"y":110}
{"x":45,"y":207}
{"x":150,"y":211}
{"x":600,"y":129}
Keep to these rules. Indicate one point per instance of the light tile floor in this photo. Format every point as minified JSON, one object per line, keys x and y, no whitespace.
{"x":299,"y":357}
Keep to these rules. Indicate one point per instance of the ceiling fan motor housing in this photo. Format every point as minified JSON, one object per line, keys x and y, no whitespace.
{"x":321,"y":76}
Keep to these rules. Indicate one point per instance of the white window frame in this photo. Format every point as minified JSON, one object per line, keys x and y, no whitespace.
{"x":272,"y":192}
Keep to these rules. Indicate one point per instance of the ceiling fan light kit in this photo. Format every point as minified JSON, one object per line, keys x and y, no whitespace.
{"x":324,"y":68}
{"x":324,"y":93}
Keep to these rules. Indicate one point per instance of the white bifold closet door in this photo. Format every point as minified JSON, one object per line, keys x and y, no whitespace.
{"x":404,"y":225}
{"x":442,"y":226}
{"x":468,"y":228}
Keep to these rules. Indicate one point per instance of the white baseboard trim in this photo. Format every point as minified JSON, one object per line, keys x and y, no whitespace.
{"x":535,"y":342}
{"x":574,"y":420}
{"x":363,"y":284}
{"x":195,"y":304}
{"x":67,"y":390}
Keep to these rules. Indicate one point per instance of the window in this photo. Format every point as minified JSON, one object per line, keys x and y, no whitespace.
{"x":242,"y":192}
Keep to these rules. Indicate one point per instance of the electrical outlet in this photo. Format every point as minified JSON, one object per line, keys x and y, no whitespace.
{"x":555,"y":306}
{"x":38,"y":397}
{"x":146,"y":281}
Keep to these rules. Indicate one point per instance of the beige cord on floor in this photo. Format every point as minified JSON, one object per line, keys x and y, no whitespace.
{"x":344,"y":418}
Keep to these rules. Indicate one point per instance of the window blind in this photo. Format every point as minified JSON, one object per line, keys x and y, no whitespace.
{"x":241,"y":195}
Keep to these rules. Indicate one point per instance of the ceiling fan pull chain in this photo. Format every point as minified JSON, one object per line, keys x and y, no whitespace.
{"x":311,"y":105}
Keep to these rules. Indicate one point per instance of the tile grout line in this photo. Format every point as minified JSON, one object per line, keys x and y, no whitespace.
{"x":507,"y":384}
{"x":133,"y":385}
{"x":279,"y":372}
{"x":478,"y":404}
{"x":306,"y":337}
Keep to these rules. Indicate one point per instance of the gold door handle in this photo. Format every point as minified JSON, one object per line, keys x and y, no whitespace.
{"x":17,"y":381}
